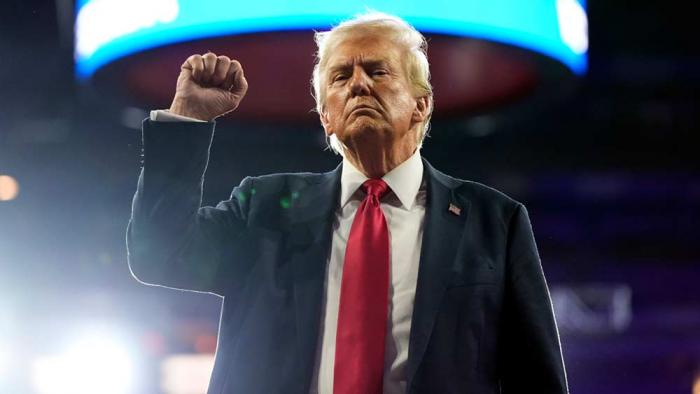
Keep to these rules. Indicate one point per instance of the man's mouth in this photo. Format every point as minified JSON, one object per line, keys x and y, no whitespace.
{"x":365,"y":108}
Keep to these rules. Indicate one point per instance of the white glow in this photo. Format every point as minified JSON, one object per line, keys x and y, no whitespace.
{"x":573,"y":25}
{"x":186,"y":373}
{"x":4,"y":362}
{"x":92,"y":365}
{"x":101,"y":21}
{"x":7,"y":341}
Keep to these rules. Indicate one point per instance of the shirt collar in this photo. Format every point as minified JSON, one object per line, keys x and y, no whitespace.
{"x":404,"y":180}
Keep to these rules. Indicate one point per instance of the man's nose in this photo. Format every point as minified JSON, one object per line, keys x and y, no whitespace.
{"x":360,"y":83}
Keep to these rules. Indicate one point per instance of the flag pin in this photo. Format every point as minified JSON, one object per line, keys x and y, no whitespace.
{"x":454,"y":209}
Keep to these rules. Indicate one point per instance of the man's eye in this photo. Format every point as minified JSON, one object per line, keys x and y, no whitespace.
{"x":339,"y":77}
{"x":379,"y":72}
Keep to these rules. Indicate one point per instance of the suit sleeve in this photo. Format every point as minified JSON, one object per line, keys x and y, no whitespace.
{"x":530,"y":356}
{"x":171,"y":240}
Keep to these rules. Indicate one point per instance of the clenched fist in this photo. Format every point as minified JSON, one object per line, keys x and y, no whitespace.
{"x":209,"y":86}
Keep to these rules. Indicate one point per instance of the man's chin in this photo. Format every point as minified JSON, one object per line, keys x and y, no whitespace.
{"x":364,"y":125}
{"x":365,"y":132}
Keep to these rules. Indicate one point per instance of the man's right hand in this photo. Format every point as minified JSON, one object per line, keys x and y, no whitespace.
{"x":209,"y":86}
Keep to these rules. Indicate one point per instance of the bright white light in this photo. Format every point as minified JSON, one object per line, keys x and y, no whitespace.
{"x":186,"y":373}
{"x":7,"y":329}
{"x":101,"y":21}
{"x":92,"y":365}
{"x":573,"y":25}
{"x":4,"y":362}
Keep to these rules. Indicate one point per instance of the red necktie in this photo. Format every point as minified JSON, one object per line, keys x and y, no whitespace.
{"x":364,"y":296}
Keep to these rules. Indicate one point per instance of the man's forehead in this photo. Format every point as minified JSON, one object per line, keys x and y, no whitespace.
{"x":348,"y":61}
{"x":376,"y":50}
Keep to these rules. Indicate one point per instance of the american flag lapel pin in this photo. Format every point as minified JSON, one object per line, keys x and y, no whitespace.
{"x":454,"y":209}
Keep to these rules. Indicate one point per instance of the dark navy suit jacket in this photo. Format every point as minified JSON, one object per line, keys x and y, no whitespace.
{"x":482,"y":319}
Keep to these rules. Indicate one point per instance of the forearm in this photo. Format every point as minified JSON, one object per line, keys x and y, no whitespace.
{"x":164,"y":226}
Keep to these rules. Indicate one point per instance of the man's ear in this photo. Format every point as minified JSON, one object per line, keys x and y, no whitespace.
{"x":420,"y":113}
{"x":325,"y":123}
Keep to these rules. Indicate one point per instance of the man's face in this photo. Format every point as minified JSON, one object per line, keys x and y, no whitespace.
{"x":368,"y":96}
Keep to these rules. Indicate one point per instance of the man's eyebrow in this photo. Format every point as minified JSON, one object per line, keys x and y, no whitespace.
{"x":369,"y":63}
{"x":372,"y":63}
{"x":339,"y":67}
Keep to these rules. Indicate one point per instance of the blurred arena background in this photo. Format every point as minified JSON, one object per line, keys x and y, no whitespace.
{"x":604,"y":155}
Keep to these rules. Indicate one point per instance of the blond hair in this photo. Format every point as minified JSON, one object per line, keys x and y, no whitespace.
{"x":416,"y":63}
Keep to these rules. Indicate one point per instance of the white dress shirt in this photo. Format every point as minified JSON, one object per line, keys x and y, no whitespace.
{"x":404,"y":210}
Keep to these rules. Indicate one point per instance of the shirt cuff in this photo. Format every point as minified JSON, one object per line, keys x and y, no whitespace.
{"x":164,"y":115}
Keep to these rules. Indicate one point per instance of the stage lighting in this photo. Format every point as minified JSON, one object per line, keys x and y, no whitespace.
{"x":186,"y":373}
{"x":106,"y":30}
{"x":573,"y":25}
{"x":94,"y":364}
{"x":9,"y":188}
{"x":101,"y":22}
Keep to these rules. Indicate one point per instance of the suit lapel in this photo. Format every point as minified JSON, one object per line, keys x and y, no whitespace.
{"x":310,"y":240}
{"x":446,"y":215}
{"x":310,"y":237}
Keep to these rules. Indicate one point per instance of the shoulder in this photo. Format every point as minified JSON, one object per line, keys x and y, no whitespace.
{"x":273,"y":200}
{"x":284,"y":184}
{"x":288,"y":179}
{"x":482,"y":193}
{"x":473,"y":191}
{"x":486,"y":203}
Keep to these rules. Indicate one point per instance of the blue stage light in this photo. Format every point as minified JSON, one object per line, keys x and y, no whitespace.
{"x":109,"y":29}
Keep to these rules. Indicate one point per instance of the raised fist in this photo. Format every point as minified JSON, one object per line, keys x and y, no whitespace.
{"x":209,"y":86}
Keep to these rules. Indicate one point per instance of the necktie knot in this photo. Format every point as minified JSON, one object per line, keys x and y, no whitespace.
{"x":375,"y":187}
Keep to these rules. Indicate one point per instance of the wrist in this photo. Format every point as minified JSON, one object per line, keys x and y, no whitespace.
{"x":180,"y":107}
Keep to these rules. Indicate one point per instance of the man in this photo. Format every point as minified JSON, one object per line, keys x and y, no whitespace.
{"x":381,"y":276}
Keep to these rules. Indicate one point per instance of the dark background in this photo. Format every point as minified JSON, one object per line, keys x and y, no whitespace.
{"x":609,"y":174}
